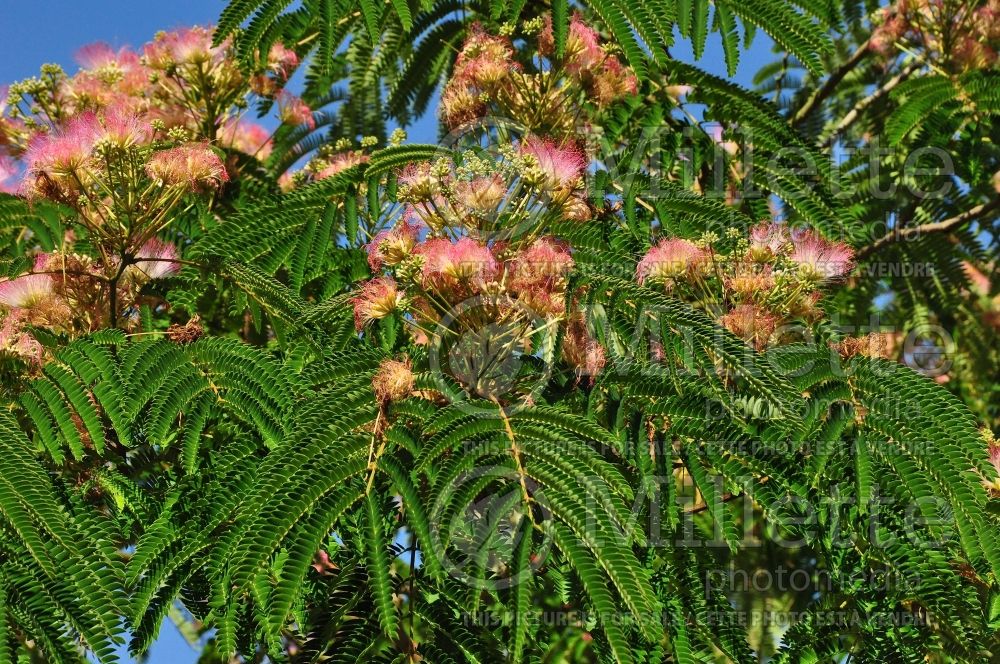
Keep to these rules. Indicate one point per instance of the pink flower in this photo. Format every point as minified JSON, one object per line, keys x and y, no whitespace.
{"x":134,"y":77}
{"x":393,"y":246}
{"x":613,"y":81}
{"x":180,"y":47}
{"x":481,"y":195}
{"x":341,"y":162}
{"x":293,"y":111}
{"x":247,"y":137}
{"x":286,"y":181}
{"x":57,"y":161}
{"x":121,"y":128}
{"x":93,"y":56}
{"x":884,"y":37}
{"x":376,"y":299}
{"x":987,"y":20}
{"x":282,"y":60}
{"x":991,"y":484}
{"x":767,"y":241}
{"x":972,"y":53}
{"x":994,"y":452}
{"x":669,"y":259}
{"x":546,"y":259}
{"x":538,"y":275}
{"x":417,"y":182}
{"x":751,"y":323}
{"x":819,"y":259}
{"x":488,"y":71}
{"x":581,"y":351}
{"x":156,"y":260}
{"x":980,"y":282}
{"x":29,"y":348}
{"x":393,"y":380}
{"x":484,"y":61}
{"x":459,"y":105}
{"x":91,"y":85}
{"x":560,"y":167}
{"x":446,"y":262}
{"x":26,"y":291}
{"x":18,"y":342}
{"x":583,"y":48}
{"x":64,"y":152}
{"x":194,"y":165}
{"x":751,"y":283}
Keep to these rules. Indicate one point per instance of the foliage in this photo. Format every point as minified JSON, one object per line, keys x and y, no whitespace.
{"x":535,"y":393}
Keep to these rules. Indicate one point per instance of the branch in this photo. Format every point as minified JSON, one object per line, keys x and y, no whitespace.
{"x":830,"y":85}
{"x":936,"y":227}
{"x":698,"y":509}
{"x":859,"y":108}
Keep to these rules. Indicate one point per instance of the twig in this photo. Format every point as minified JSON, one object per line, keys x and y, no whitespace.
{"x":374,"y":455}
{"x":863,"y":104}
{"x":830,"y":85}
{"x":726,"y":497}
{"x":936,"y":227}
{"x":515,"y":452}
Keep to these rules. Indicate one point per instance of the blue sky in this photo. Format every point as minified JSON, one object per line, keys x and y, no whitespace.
{"x":40,"y":31}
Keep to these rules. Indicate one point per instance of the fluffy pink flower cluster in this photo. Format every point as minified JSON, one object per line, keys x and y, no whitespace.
{"x":375,"y":299}
{"x":471,"y":252}
{"x":16,"y":341}
{"x":156,"y":259}
{"x":600,"y":73}
{"x":669,"y":260}
{"x":187,"y":46}
{"x":247,"y":137}
{"x":477,"y":230}
{"x":392,"y":247}
{"x":178,"y":81}
{"x":453,"y":265}
{"x":991,"y":481}
{"x":69,"y":293}
{"x":193,"y":165}
{"x":537,"y":181}
{"x":436,"y":269}
{"x":430,"y":280}
{"x":98,"y":152}
{"x":338,"y":163}
{"x":484,"y":65}
{"x":819,"y":259}
{"x":293,"y":111}
{"x":542,"y":93}
{"x":752,"y":323}
{"x":766,"y":281}
{"x":61,"y":164}
{"x":961,"y":33}
{"x":538,"y":275}
{"x":560,"y":167}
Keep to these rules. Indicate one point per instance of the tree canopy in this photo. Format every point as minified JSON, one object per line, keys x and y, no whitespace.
{"x":633,"y":364}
